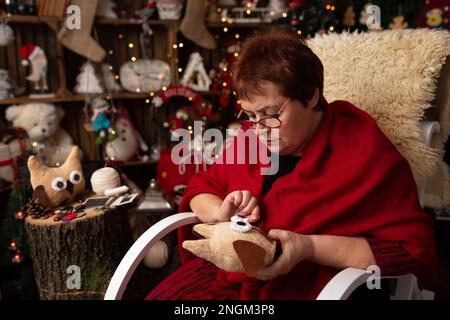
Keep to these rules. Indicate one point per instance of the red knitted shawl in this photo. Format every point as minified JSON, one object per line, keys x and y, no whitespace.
{"x":351,"y":181}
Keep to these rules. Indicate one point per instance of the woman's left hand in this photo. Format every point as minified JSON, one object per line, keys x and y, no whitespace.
{"x":295,"y":248}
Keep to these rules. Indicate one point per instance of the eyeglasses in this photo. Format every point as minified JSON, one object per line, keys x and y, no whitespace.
{"x":272,"y":122}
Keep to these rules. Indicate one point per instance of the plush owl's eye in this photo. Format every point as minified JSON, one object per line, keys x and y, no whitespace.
{"x":238,"y":217}
{"x":240,"y":224}
{"x":75,"y":177}
{"x":59,"y":184}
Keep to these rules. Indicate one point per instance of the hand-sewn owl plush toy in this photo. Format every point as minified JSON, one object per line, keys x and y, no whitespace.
{"x":232,"y":246}
{"x":57,"y":186}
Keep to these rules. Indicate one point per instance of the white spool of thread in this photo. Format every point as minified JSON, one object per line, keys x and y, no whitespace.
{"x":104,"y":179}
{"x":157,"y":256}
{"x":116,"y":191}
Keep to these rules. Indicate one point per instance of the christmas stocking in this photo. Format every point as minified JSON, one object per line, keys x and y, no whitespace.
{"x":80,"y":40}
{"x":193,"y":25}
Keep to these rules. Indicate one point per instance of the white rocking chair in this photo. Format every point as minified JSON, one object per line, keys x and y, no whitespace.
{"x":339,"y":288}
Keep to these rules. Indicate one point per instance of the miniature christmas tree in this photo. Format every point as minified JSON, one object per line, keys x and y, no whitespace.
{"x":87,"y":80}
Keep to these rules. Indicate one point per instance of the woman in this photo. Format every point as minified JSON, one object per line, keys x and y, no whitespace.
{"x":343,"y":195}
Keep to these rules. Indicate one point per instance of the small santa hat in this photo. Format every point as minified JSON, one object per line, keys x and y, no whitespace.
{"x":29,"y":52}
{"x":151,"y":4}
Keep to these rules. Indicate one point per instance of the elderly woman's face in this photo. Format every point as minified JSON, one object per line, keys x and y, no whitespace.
{"x":299,"y":122}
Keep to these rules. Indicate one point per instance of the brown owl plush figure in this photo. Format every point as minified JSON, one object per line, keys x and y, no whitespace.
{"x":57,"y":186}
{"x":233,"y":246}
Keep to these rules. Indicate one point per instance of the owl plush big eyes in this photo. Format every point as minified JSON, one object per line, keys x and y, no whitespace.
{"x":57,"y":186}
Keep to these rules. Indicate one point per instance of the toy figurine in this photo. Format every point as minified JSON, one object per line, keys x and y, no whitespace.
{"x":34,"y":55}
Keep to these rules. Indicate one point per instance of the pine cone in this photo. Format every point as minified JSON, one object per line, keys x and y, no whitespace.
{"x":35,"y":209}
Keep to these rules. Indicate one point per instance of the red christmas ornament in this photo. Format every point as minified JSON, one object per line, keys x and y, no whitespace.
{"x":224,"y":99}
{"x":205,"y":111}
{"x":221,"y":74}
{"x":296,"y":4}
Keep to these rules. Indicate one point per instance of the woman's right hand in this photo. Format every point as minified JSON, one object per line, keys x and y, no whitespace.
{"x":240,"y":202}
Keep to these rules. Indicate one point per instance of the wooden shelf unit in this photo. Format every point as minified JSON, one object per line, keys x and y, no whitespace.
{"x":99,"y":21}
{"x":241,"y":25}
{"x":28,"y":19}
{"x":114,"y":36}
{"x":73,"y":98}
{"x":64,"y":66}
{"x":80,"y":98}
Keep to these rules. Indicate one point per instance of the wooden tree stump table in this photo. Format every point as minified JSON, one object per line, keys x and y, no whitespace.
{"x":95,"y":243}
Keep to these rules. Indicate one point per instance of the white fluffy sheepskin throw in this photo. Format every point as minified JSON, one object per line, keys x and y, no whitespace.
{"x":393,"y":75}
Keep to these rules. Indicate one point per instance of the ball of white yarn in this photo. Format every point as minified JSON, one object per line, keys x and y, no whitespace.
{"x":157,"y":256}
{"x":104,"y":179}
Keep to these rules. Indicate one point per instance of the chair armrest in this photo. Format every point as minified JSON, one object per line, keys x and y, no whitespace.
{"x":343,"y":284}
{"x":139,"y":249}
{"x":428,"y":128}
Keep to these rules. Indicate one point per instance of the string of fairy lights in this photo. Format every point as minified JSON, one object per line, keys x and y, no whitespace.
{"x":17,"y":255}
{"x":250,"y":7}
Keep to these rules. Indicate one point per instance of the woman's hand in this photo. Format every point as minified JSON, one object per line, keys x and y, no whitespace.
{"x":295,"y":248}
{"x":240,"y":202}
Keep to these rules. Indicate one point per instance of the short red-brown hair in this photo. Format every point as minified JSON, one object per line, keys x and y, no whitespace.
{"x":278,"y":55}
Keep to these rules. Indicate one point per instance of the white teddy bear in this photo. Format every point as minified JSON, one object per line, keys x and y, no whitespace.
{"x":41,"y":122}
